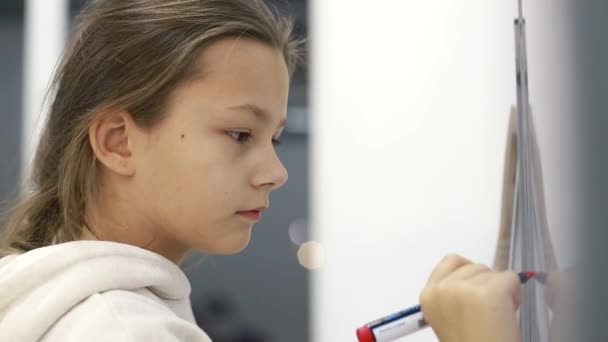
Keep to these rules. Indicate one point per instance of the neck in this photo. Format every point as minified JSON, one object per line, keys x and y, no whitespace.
{"x":114,"y":221}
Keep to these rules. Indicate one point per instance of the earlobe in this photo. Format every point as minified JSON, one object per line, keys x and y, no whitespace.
{"x":110,"y":138}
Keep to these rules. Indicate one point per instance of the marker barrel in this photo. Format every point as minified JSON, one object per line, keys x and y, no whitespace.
{"x":393,"y":326}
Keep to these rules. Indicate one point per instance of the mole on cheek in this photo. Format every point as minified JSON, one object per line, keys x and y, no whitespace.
{"x":183,"y":136}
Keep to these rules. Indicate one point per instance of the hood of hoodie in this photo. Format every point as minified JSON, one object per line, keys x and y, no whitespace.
{"x":40,"y":286}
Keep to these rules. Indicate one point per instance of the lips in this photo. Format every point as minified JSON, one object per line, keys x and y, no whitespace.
{"x":251,"y":214}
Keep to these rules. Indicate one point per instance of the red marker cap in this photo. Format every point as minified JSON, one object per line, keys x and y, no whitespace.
{"x":364,"y":334}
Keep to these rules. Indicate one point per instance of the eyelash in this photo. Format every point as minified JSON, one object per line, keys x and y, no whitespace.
{"x":275,"y":142}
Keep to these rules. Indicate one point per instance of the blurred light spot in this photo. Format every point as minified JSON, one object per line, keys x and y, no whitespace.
{"x":298,"y":231}
{"x":311,"y":255}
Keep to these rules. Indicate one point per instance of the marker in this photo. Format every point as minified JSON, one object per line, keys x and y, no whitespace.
{"x":411,"y":320}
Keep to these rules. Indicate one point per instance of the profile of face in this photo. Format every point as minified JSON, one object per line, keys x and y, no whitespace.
{"x":186,"y":182}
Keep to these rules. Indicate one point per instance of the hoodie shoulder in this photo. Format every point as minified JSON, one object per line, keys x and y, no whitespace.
{"x":85,"y":283}
{"x":123,"y":316}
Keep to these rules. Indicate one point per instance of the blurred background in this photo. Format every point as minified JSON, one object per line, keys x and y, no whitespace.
{"x":395,"y":149}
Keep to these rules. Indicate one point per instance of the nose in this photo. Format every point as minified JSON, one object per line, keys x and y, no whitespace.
{"x":271,"y":173}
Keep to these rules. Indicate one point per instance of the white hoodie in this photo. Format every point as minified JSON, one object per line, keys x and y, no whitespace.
{"x":94,"y":291}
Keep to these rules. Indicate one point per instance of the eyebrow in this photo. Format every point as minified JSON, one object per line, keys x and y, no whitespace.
{"x":259,"y":113}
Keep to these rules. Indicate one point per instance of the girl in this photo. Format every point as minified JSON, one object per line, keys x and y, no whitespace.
{"x":160,"y":140}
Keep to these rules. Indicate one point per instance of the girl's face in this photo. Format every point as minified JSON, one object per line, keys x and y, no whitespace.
{"x":213,"y":156}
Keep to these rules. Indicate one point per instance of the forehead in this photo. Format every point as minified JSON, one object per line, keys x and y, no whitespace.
{"x":234,"y":72}
{"x":242,"y":62}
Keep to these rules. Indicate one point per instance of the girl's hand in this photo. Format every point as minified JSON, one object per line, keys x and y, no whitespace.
{"x":468,"y":302}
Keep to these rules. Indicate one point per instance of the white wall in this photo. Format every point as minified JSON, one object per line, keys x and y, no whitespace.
{"x":410,"y":101}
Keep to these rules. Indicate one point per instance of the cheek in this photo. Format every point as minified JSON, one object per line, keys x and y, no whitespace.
{"x":192,"y":180}
{"x":202,"y":205}
{"x":209,"y":187}
{"x":162,"y":166}
{"x":196,"y":181}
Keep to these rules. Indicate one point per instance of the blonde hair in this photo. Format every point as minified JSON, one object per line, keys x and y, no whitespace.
{"x":125,"y":54}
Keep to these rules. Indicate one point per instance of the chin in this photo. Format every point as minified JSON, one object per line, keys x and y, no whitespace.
{"x":232,"y":245}
{"x":236,"y":250}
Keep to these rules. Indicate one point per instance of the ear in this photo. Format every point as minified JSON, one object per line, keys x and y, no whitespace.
{"x":111,"y":137}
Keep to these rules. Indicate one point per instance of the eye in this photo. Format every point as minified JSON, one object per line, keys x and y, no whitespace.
{"x":276,"y":142}
{"x":240,"y":137}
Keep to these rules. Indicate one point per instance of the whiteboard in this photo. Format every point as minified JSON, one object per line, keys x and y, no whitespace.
{"x":410,"y":106}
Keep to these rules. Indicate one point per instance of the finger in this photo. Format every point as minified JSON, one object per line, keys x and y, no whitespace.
{"x":505,"y":283}
{"x":508,"y":282}
{"x":467,"y":272}
{"x":513,"y":285}
{"x":447,"y":265}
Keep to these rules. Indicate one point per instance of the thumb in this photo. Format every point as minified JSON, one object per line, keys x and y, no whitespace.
{"x":513,"y":287}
